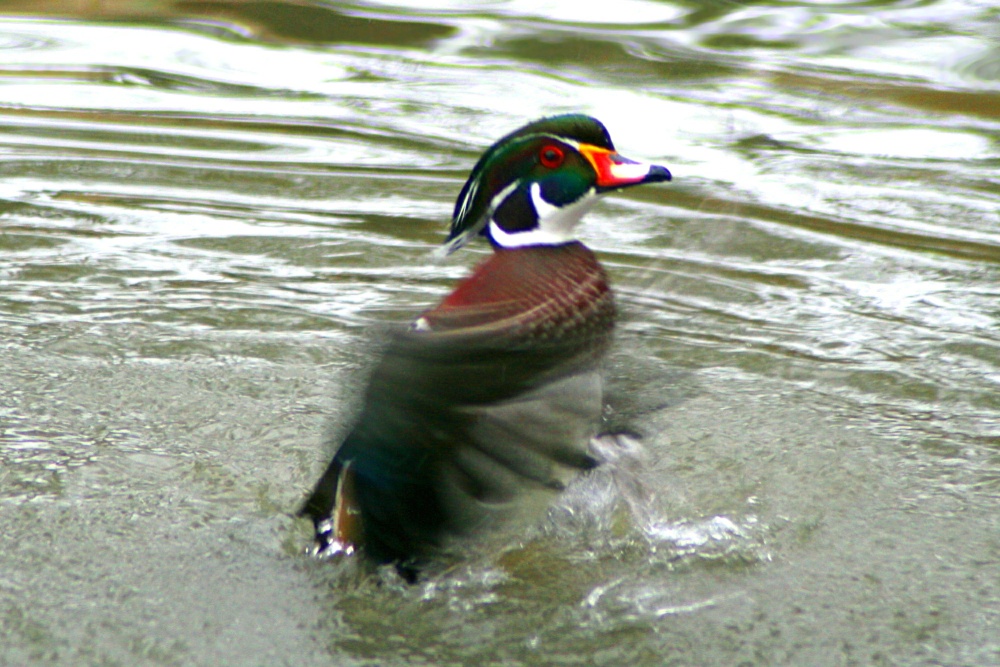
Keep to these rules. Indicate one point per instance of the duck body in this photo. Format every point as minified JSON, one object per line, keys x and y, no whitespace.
{"x":485,"y":406}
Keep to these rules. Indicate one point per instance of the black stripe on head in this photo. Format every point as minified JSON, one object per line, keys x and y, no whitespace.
{"x":516,"y":213}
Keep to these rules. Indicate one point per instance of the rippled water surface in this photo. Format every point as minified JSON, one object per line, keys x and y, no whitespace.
{"x":209,"y":209}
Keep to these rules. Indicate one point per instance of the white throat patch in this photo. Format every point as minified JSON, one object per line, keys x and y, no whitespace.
{"x":556,"y":224}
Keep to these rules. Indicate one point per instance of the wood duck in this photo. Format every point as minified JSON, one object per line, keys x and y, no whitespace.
{"x":485,"y":405}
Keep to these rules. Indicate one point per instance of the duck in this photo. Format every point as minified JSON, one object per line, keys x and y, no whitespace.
{"x":481,"y":410}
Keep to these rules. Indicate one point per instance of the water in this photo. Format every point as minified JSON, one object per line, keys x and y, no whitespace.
{"x":208,"y":210}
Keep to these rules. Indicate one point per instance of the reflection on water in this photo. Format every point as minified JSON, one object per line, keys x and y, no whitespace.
{"x":208,"y":209}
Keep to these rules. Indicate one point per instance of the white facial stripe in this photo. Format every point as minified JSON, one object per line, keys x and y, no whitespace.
{"x":543,"y":209}
{"x":500,"y":196}
{"x":566,"y":140}
{"x":521,"y":239}
{"x":556,"y":225}
{"x":561,"y":220}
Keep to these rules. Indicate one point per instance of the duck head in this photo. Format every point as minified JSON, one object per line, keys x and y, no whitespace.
{"x":533,"y":186}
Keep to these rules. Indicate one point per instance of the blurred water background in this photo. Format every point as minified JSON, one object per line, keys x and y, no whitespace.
{"x":208,"y":208}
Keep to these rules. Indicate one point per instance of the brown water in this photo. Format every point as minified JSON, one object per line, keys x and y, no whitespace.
{"x":208,"y":208}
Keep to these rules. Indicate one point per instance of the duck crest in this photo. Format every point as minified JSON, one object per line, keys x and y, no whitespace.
{"x":485,"y":406}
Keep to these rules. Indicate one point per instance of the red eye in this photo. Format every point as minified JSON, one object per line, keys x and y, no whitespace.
{"x":551,"y":156}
